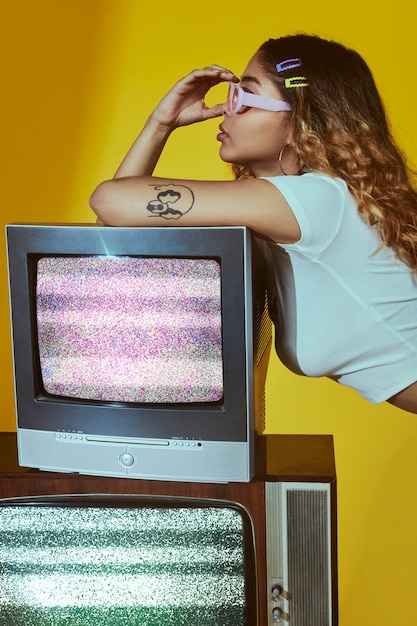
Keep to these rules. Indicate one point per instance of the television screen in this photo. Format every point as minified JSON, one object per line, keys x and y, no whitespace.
{"x":139,"y":352}
{"x":117,"y":560}
{"x":150,"y":332}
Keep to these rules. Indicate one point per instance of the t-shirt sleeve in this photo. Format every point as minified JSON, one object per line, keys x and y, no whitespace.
{"x":318,"y":203}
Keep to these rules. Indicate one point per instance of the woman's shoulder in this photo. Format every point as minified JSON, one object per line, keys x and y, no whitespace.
{"x":315,"y":181}
{"x":318,"y":202}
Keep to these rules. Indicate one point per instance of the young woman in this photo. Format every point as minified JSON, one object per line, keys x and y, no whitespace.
{"x":320,"y":179}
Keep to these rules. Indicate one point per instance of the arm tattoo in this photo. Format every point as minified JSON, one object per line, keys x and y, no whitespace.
{"x":171,"y":201}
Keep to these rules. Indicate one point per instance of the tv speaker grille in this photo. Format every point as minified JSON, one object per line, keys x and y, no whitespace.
{"x":263,"y":325}
{"x":262,"y":348}
{"x":308,"y":557}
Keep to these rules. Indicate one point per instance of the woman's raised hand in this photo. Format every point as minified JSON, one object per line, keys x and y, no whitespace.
{"x":184,"y":104}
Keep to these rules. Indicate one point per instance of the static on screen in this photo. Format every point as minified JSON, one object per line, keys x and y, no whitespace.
{"x":91,"y":566}
{"x":130,"y":329}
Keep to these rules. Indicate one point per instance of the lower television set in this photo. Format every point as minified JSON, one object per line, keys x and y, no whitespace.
{"x":129,"y":560}
{"x":138,"y":352}
{"x":114,"y":551}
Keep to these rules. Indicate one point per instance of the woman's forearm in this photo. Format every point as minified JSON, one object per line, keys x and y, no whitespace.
{"x":145,"y":152}
{"x":121,"y":198}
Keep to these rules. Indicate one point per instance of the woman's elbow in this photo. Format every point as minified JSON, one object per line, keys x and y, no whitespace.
{"x":99,"y":202}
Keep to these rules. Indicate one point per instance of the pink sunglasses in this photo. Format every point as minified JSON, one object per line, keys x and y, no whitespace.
{"x":239,"y":98}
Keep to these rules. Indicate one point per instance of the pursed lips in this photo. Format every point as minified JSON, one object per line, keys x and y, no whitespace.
{"x":222,"y":134}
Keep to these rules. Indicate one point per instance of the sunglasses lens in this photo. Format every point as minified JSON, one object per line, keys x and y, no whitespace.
{"x":234,"y":98}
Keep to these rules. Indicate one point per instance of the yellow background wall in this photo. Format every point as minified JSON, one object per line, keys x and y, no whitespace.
{"x":78,"y":79}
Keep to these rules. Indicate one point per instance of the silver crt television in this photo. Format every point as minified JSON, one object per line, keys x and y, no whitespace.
{"x":138,"y":352}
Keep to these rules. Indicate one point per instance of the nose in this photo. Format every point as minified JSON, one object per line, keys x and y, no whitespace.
{"x":226,"y":109}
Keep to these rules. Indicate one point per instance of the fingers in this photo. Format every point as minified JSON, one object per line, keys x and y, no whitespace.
{"x":215,"y":111}
{"x":223,"y":70}
{"x":212,"y":73}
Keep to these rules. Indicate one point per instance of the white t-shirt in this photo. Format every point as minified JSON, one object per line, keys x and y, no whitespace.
{"x":343,"y":306}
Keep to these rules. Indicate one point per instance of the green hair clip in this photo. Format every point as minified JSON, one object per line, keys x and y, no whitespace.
{"x":296,"y":81}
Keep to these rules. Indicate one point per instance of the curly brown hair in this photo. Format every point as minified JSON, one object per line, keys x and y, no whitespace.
{"x":341,"y":129}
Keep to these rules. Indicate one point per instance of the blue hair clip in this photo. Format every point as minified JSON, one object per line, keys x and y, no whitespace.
{"x":288,"y":64}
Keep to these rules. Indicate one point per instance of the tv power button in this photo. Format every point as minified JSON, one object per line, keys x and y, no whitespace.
{"x":127,"y":459}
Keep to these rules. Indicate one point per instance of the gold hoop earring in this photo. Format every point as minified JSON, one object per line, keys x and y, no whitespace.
{"x":280,"y":159}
